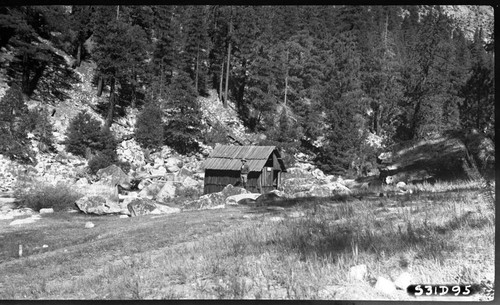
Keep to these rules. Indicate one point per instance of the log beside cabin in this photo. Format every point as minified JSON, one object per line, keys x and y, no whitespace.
{"x":222,"y":167}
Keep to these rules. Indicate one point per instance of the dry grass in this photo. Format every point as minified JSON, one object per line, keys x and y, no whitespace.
{"x":442,"y":233}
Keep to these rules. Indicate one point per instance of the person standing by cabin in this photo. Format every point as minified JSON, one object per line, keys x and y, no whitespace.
{"x":244,"y":170}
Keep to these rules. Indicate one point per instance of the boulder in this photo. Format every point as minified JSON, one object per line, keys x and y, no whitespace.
{"x":320,"y":191}
{"x":166,"y":192}
{"x":173,"y":164}
{"x":190,"y":182}
{"x":142,"y":206}
{"x":317,"y":173}
{"x":403,"y":281}
{"x":296,"y":172}
{"x":97,"y":205}
{"x":337,"y":188}
{"x":89,"y":225}
{"x":151,"y":191}
{"x":165,"y":209}
{"x":401,"y":185}
{"x":385,"y":286}
{"x":185,"y":172}
{"x":23,"y":221}
{"x":242,"y":198}
{"x":201,"y":203}
{"x":110,"y":193}
{"x":294,"y":185}
{"x":300,"y":195}
{"x":230,"y":190}
{"x":358,"y":272}
{"x":172,"y":169}
{"x":113,"y":175}
{"x":46,"y":211}
{"x":161,"y":171}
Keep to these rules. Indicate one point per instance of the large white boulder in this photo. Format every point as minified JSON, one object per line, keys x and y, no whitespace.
{"x":236,"y":199}
{"x":358,"y":272}
{"x":385,"y":286}
{"x":97,"y":205}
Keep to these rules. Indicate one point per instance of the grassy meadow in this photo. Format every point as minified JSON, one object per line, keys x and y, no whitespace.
{"x":439,"y":234}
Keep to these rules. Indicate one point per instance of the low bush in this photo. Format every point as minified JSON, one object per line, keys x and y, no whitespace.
{"x":59,"y":197}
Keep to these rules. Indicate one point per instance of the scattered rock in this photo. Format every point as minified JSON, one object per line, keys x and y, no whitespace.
{"x":97,"y":205}
{"x":358,"y":272}
{"x":403,"y":281}
{"x":123,"y":216}
{"x":385,"y":286}
{"x":89,"y":225}
{"x":46,"y":211}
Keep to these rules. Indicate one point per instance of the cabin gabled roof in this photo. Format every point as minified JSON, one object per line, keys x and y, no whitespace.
{"x":228,"y":157}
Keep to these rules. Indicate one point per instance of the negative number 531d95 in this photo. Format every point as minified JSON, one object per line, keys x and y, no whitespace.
{"x":442,"y":290}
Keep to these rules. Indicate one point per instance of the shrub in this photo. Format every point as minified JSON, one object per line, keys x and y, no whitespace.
{"x":149,"y":127}
{"x":58,"y":197}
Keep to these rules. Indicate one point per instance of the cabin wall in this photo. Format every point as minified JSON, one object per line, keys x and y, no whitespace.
{"x":217,"y":180}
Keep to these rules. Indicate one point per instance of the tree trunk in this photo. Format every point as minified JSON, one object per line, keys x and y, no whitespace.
{"x":197,"y":57}
{"x":34,"y":81}
{"x":111,"y":108}
{"x":286,"y":78}
{"x":99,"y":86}
{"x":79,"y":54}
{"x":228,"y":60}
{"x":26,"y":74}
{"x":220,"y":83}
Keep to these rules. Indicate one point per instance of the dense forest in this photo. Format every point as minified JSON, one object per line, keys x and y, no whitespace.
{"x":318,"y":79}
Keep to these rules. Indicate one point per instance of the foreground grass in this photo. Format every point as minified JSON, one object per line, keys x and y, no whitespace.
{"x":439,"y":234}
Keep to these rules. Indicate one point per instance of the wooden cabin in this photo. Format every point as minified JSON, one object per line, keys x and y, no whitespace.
{"x":222,"y":167}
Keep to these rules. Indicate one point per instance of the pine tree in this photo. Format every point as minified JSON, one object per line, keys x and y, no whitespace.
{"x":183,"y":115}
{"x":149,"y":126}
